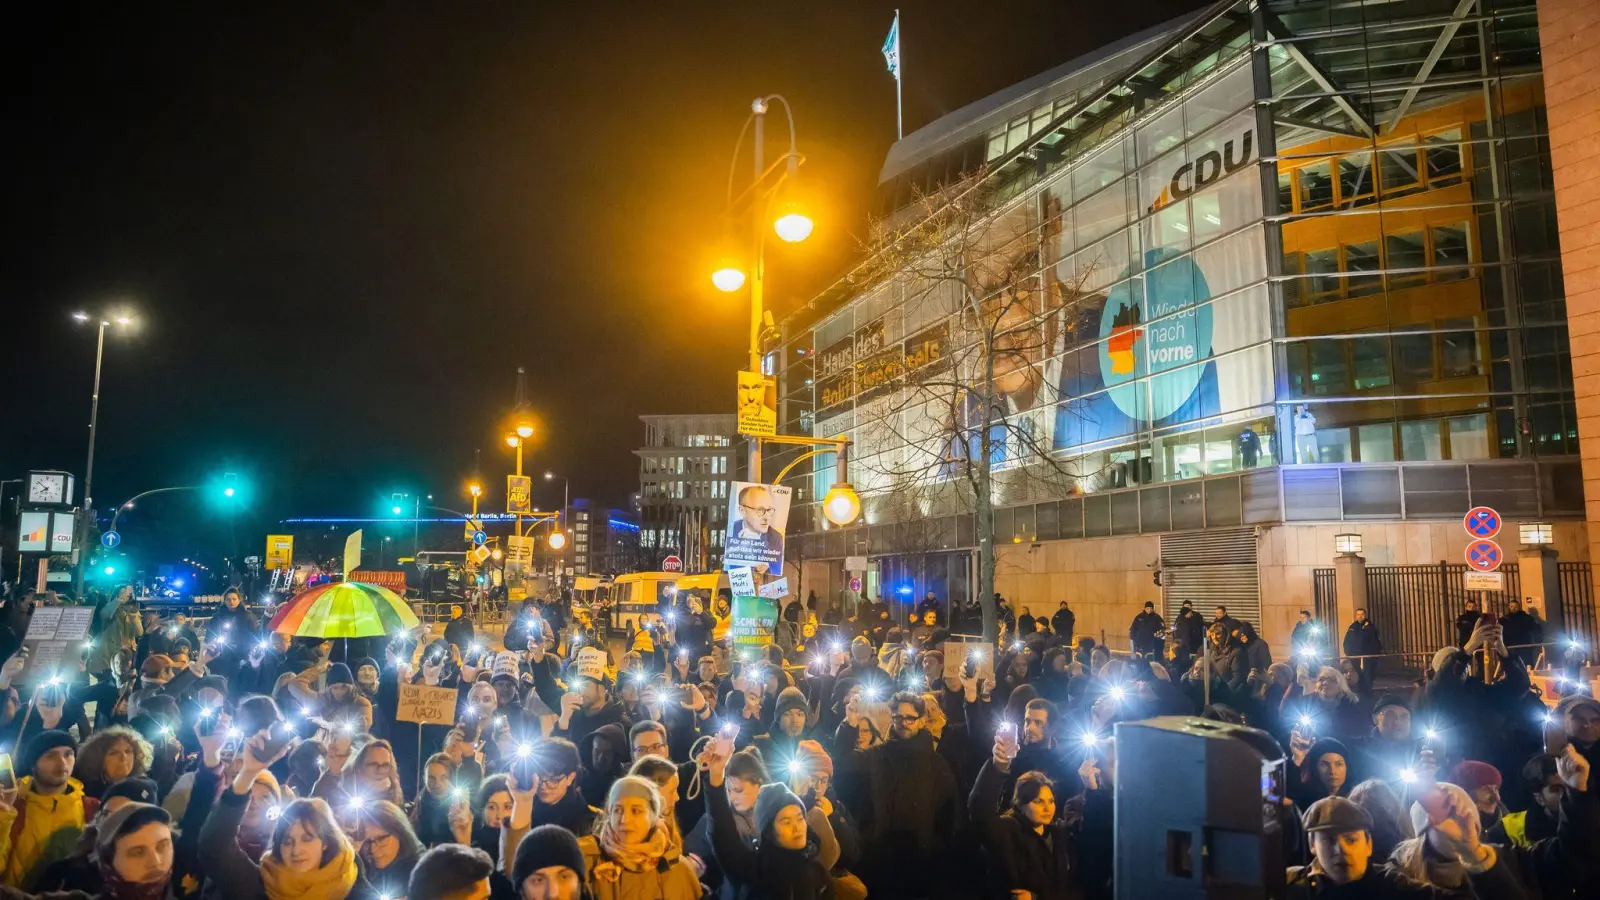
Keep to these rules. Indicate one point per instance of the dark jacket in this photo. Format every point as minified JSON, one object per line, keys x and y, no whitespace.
{"x":571,"y":812}
{"x":1520,"y":628}
{"x":1063,"y":621}
{"x":1465,"y":623}
{"x":905,"y":797}
{"x":1361,"y":639}
{"x":582,"y":724}
{"x":767,"y":871}
{"x":1308,"y":634}
{"x":1145,"y":633}
{"x":1382,"y":882}
{"x":1190,"y":630}
{"x":459,"y":632}
{"x":1022,"y":859}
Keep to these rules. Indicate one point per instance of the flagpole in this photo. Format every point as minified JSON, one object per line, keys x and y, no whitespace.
{"x":899,"y":70}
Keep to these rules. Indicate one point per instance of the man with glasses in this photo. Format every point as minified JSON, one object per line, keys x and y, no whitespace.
{"x":752,"y":538}
{"x":649,"y":738}
{"x":904,"y":795}
{"x":558,"y":800}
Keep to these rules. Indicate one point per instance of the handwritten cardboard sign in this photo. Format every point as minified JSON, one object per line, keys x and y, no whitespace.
{"x":426,"y":705}
{"x":956,"y":654}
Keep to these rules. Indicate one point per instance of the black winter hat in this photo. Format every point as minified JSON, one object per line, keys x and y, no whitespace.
{"x":43,"y":743}
{"x":545,"y":846}
{"x":339,"y":673}
{"x":139,"y":790}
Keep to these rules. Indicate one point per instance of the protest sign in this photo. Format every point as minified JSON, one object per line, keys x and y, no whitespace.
{"x":426,"y":705}
{"x":774,"y":590}
{"x":54,"y":633}
{"x":956,"y":654}
{"x":754,"y":620}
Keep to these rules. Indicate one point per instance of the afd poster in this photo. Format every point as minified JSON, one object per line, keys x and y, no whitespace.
{"x":757,"y":514}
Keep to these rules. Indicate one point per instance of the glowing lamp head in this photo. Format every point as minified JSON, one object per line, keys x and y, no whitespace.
{"x":475,"y":489}
{"x":728,"y":278}
{"x":557,"y":540}
{"x":513,"y":441}
{"x":525,"y":430}
{"x":841,"y":505}
{"x":793,"y":226}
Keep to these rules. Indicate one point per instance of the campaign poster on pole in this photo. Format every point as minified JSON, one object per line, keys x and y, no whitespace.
{"x":757,"y":515}
{"x":755,"y":620}
{"x":758,"y":405}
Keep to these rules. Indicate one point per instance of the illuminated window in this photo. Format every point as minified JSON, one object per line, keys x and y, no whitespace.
{"x":1356,"y":184}
{"x":1444,"y":157}
{"x":1316,"y":187}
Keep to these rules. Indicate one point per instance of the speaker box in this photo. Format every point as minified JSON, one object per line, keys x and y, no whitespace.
{"x":1197,"y":811}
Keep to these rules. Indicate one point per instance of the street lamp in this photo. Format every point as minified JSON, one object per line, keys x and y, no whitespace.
{"x":557,"y":540}
{"x":125,"y":320}
{"x":841,"y":505}
{"x":792,"y":226}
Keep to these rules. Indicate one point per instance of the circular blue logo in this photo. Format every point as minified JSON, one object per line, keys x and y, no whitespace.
{"x":1167,"y":328}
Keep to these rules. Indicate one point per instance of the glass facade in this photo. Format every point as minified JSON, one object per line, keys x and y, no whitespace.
{"x":1327,"y":237}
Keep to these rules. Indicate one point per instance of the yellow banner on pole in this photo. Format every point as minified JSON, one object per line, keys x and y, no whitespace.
{"x":352,"y":553}
{"x":757,"y":405}
{"x":280,"y":551}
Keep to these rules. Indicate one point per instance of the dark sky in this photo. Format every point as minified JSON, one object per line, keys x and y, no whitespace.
{"x":345,"y":225}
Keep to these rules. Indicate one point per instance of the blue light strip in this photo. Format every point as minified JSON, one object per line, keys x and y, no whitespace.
{"x":626,"y":526}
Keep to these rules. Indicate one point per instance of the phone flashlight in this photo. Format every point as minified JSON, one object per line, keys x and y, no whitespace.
{"x":1408,"y":776}
{"x":1090,"y":739}
{"x":1116,"y":693}
{"x":357,"y":803}
{"x":523,"y":750}
{"x":1305,"y":722}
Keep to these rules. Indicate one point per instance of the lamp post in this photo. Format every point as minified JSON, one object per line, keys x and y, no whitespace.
{"x":515,"y":439}
{"x":124,"y":320}
{"x":566,"y":497}
{"x":793,"y":226}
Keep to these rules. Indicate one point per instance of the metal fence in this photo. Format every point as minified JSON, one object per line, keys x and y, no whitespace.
{"x":1325,"y":599}
{"x":1415,"y":607}
{"x":1577,"y":602}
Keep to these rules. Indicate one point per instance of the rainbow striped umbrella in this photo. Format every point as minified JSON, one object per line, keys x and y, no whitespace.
{"x":343,"y":609}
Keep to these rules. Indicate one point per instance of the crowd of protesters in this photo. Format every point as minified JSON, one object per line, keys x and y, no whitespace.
{"x":851,"y":756}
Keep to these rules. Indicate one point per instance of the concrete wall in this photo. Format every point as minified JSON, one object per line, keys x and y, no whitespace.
{"x":1104,"y":580}
{"x":1572,"y":92}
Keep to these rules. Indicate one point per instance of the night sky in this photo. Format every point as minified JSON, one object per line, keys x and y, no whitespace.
{"x":345,"y":225}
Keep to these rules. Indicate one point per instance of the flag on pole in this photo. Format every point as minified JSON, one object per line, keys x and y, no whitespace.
{"x":891,"y":47}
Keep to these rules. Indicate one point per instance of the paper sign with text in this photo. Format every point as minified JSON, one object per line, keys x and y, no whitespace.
{"x":956,"y":654}
{"x":775,"y":590}
{"x":742,"y":581}
{"x":426,"y":705}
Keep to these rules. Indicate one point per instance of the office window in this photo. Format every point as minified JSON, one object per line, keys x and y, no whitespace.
{"x":1333,"y":445}
{"x":1316,"y":187}
{"x":1398,"y":169}
{"x":1376,"y":442}
{"x":1413,"y":359}
{"x":1362,"y":257}
{"x":1407,"y":250}
{"x":1469,"y":436}
{"x":1356,"y":185}
{"x":1370,"y":363}
{"x":1450,"y":248}
{"x":1444,"y":157}
{"x":1420,"y":440}
{"x":1330,"y":374}
{"x":1323,"y":265}
{"x":1458,"y":350}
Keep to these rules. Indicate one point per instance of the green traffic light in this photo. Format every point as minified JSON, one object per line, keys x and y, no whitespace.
{"x":227,"y":492}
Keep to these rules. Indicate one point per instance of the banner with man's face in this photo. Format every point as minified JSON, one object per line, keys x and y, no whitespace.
{"x":757,"y":515}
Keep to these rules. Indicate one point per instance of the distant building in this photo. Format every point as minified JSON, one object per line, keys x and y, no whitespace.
{"x":604,"y":541}
{"x":685,"y":468}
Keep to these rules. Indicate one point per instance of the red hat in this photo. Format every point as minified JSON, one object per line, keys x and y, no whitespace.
{"x":1471,"y":774}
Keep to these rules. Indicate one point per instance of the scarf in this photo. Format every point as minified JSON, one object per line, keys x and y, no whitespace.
{"x":329,"y":882}
{"x":115,"y":888}
{"x":644,"y":856}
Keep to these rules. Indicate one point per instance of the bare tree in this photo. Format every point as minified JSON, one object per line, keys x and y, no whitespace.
{"x":964,"y":419}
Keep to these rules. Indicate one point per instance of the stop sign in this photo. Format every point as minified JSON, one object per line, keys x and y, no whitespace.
{"x":672,"y":564}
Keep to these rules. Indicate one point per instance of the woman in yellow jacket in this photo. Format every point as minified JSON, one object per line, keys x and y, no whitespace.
{"x":51,"y":805}
{"x":630,"y":856}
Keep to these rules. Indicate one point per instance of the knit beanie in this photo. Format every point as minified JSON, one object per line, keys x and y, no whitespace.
{"x":543,"y":847}
{"x":636,"y":787}
{"x":339,"y":673}
{"x":789,"y":698}
{"x":124,"y":821}
{"x":365,"y":661}
{"x":771,"y":800}
{"x":139,"y":790}
{"x":505,"y":666}
{"x":1472,"y":774}
{"x":43,"y":743}
{"x":813,"y":759}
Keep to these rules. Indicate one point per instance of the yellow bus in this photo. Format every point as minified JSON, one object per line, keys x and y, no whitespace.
{"x":639,"y":594}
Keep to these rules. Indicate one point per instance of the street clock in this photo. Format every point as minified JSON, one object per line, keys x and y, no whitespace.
{"x":49,"y":488}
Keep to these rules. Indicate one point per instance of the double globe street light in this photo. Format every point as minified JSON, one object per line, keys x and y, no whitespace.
{"x":792,"y":224}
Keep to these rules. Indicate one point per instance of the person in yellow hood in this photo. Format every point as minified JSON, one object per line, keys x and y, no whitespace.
{"x":41,"y":824}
